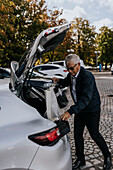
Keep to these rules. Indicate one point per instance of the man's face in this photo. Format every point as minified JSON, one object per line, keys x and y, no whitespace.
{"x":73,"y":68}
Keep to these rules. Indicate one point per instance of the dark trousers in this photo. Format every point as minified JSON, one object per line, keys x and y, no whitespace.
{"x":91,"y":121}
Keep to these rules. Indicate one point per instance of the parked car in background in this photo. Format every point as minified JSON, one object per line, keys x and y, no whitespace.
{"x":112,"y":69}
{"x":29,"y":138}
{"x":4,"y":73}
{"x":51,"y":70}
{"x":62,"y":63}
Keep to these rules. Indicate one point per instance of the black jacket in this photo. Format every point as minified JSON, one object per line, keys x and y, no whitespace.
{"x":88,"y":99}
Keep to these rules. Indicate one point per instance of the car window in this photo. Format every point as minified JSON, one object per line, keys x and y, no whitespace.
{"x":1,"y":71}
{"x":4,"y":73}
{"x":49,"y":67}
{"x":46,"y":68}
{"x":38,"y":68}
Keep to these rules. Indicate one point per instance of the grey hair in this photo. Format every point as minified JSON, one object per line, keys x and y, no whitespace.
{"x":72,"y":57}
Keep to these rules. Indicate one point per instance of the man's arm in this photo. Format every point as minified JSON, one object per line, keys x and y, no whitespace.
{"x":87,"y":93}
{"x":62,"y":82}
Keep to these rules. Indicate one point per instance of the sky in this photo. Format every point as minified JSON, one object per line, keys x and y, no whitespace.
{"x":98,"y":12}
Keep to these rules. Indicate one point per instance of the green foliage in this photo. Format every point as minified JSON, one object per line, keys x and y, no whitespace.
{"x":84,"y":37}
{"x":7,"y":20}
{"x":20,"y":23}
{"x":22,"y":20}
{"x":60,"y":52}
{"x":105,"y":45}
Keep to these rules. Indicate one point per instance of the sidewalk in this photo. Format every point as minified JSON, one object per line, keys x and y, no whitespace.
{"x":93,"y":155}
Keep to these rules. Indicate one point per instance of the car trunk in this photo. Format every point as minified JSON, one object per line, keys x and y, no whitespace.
{"x":36,"y":92}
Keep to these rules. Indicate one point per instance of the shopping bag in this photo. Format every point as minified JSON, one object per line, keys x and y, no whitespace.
{"x":61,"y":97}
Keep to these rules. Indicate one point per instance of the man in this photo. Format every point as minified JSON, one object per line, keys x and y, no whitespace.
{"x":86,"y":109}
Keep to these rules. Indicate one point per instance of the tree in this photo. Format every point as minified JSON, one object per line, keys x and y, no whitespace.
{"x":60,"y":52}
{"x":84,"y":39}
{"x":7,"y":19}
{"x":105,"y":45}
{"x":20,"y":23}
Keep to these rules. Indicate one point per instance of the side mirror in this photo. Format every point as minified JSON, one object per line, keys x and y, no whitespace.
{"x":13,"y":78}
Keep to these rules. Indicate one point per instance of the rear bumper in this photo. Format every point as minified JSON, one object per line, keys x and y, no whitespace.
{"x":57,"y":157}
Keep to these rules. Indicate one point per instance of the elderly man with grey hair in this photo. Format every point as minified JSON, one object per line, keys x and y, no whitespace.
{"x":86,"y":109}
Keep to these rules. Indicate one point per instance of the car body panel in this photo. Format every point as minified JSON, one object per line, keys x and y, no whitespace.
{"x":24,"y":112}
{"x":19,"y":120}
{"x":19,"y":152}
{"x":58,"y":157}
{"x":62,"y":63}
{"x":52,"y":70}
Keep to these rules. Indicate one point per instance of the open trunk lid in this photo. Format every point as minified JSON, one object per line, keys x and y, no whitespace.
{"x":46,"y":41}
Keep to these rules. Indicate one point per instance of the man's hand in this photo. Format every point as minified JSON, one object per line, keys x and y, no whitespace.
{"x":65,"y":116}
{"x":55,"y":80}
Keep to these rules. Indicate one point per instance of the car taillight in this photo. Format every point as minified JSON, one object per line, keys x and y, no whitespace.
{"x":47,"y":138}
{"x":50,"y":31}
{"x":65,"y":70}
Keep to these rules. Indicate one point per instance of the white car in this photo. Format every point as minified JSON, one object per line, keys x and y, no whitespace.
{"x":29,"y":140}
{"x":4,"y":73}
{"x":51,"y":70}
{"x":62,"y":63}
{"x":112,"y":69}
